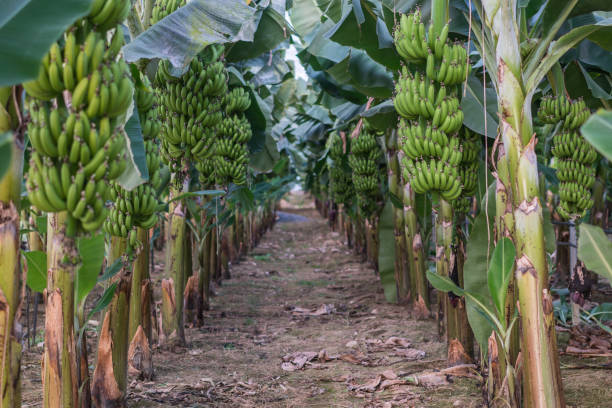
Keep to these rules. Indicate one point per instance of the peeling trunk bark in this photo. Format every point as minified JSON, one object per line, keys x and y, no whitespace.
{"x":109,"y":384}
{"x":204,"y":276}
{"x":140,"y":298}
{"x":402,"y":270}
{"x":191,"y":301}
{"x":140,"y":357}
{"x":10,"y":267}
{"x":459,"y":347}
{"x":416,"y":256}
{"x":59,"y":368}
{"x":542,"y":386}
{"x":10,"y":300}
{"x":172,"y":304}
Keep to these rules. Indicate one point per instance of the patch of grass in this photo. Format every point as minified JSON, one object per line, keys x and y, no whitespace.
{"x":263,"y":257}
{"x":248,"y":321}
{"x":314,"y":283}
{"x":229,"y":346}
{"x":291,"y":270}
{"x":253,"y":300}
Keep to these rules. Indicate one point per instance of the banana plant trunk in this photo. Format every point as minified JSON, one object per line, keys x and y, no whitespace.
{"x":139,"y":328}
{"x":109,"y":384}
{"x":10,"y":275}
{"x":402,"y":278}
{"x":172,"y":289}
{"x":452,"y":308}
{"x":504,"y":227}
{"x":542,"y":386}
{"x":59,"y":367}
{"x":416,"y":256}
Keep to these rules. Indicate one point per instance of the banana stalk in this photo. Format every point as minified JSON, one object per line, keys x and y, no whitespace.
{"x":458,"y":337}
{"x":59,"y":373}
{"x":542,"y":385}
{"x":402,"y":278}
{"x":109,"y":384}
{"x":504,"y":227}
{"x":204,"y":275}
{"x":139,"y":327}
{"x":416,"y":256}
{"x":172,"y":299}
{"x":10,"y":275}
{"x":140,"y":277}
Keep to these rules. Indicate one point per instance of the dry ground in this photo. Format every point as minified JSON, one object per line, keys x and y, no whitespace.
{"x":300,"y":291}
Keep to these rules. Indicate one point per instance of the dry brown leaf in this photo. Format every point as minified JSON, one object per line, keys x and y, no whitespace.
{"x":389,"y":383}
{"x":410,"y":354}
{"x":389,"y":375}
{"x":297,"y":360}
{"x":371,"y":385}
{"x":461,"y":370}
{"x":398,"y":341}
{"x":319,"y":311}
{"x":357,"y":358}
{"x":431,"y":379}
{"x":351,"y":344}
{"x":323,"y":356}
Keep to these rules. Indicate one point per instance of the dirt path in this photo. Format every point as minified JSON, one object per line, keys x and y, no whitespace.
{"x":301,"y":290}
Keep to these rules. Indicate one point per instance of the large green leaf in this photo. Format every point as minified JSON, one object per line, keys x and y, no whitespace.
{"x":264,"y":160}
{"x":473,"y":107}
{"x":360,"y":28}
{"x":444,"y":284}
{"x":558,"y":48}
{"x":381,"y":116}
{"x":601,"y":37}
{"x":271,"y":31}
{"x":597,"y":131}
{"x":595,"y":250}
{"x":273,"y":72}
{"x":27,"y":30}
{"x":91,"y":252}
{"x":500,"y":272}
{"x":136,"y":172}
{"x":6,"y":152}
{"x":104,"y":300}
{"x":576,"y":85}
{"x":305,"y":16}
{"x":594,"y":87}
{"x":550,"y":239}
{"x":37,"y":270}
{"x":181,"y":36}
{"x":553,"y":8}
{"x":386,"y":252}
{"x":364,"y":74}
{"x":478,"y":252}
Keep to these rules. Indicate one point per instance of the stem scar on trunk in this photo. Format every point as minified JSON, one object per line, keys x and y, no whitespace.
{"x":524,"y":265}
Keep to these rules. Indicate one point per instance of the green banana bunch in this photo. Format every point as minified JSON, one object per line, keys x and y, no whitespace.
{"x":446,"y":63}
{"x":574,"y":155}
{"x":468,"y":170}
{"x":341,"y":185}
{"x":77,"y":106}
{"x":189,"y":108}
{"x":428,"y":103}
{"x":87,"y":68}
{"x":106,"y":14}
{"x":164,"y":7}
{"x":231,"y":153}
{"x":363,"y":161}
{"x":138,"y":208}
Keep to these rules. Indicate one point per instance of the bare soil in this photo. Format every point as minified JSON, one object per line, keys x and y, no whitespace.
{"x":303,"y":323}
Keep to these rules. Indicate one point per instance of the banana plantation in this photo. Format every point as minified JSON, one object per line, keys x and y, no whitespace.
{"x":305,"y":203}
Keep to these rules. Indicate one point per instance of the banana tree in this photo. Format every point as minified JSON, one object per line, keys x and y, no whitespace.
{"x":516,"y":78}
